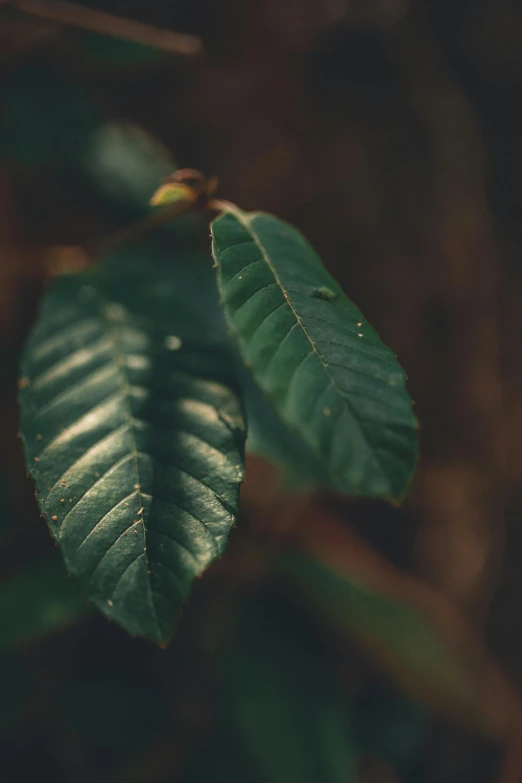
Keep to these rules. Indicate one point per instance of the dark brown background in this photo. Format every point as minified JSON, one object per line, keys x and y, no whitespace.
{"x":389,"y":132}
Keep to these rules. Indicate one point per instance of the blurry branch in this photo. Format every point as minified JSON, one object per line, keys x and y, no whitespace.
{"x":64,"y":259}
{"x":452,"y":672}
{"x":137,"y":230}
{"x":189,"y":189}
{"x":409,"y":630}
{"x":67,"y":14}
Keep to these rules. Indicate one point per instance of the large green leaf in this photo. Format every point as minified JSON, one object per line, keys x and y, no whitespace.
{"x":134,"y":437}
{"x":310,"y":349}
{"x":280,"y":697}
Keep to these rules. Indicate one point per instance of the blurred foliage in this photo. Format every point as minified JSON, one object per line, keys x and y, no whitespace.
{"x":222,"y":758}
{"x":38,"y":600}
{"x":126,"y":163}
{"x":281,"y":698}
{"x":7,"y":518}
{"x":391,"y":729}
{"x":109,"y":713}
{"x":48,"y":119}
{"x":429,"y":664}
{"x":15,"y":687}
{"x":117,"y":51}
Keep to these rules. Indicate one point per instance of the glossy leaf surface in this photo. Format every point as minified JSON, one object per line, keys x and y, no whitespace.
{"x":134,"y":437}
{"x":310,"y":349}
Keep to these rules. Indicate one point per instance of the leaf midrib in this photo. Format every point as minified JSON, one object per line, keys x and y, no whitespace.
{"x":121,"y":365}
{"x":245,"y":222}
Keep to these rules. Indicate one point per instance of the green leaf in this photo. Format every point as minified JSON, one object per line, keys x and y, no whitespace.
{"x":281,"y":698}
{"x":172,"y":193}
{"x":36,"y":601}
{"x":270,"y":438}
{"x":309,"y":348}
{"x":134,"y":436}
{"x":126,"y":162}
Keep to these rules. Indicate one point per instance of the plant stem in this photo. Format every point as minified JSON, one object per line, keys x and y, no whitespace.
{"x":68,"y":14}
{"x":150,"y":223}
{"x":221,"y":205}
{"x":162,"y":216}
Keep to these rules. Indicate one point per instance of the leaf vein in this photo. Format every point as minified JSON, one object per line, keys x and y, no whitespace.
{"x":103,"y":518}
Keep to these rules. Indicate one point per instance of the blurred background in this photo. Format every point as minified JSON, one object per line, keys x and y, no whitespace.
{"x":338,"y":640}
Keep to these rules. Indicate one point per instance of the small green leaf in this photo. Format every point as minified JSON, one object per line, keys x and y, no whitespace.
{"x":325,"y":369}
{"x":281,"y":698}
{"x":134,"y":436}
{"x":172,"y":193}
{"x":126,"y":162}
